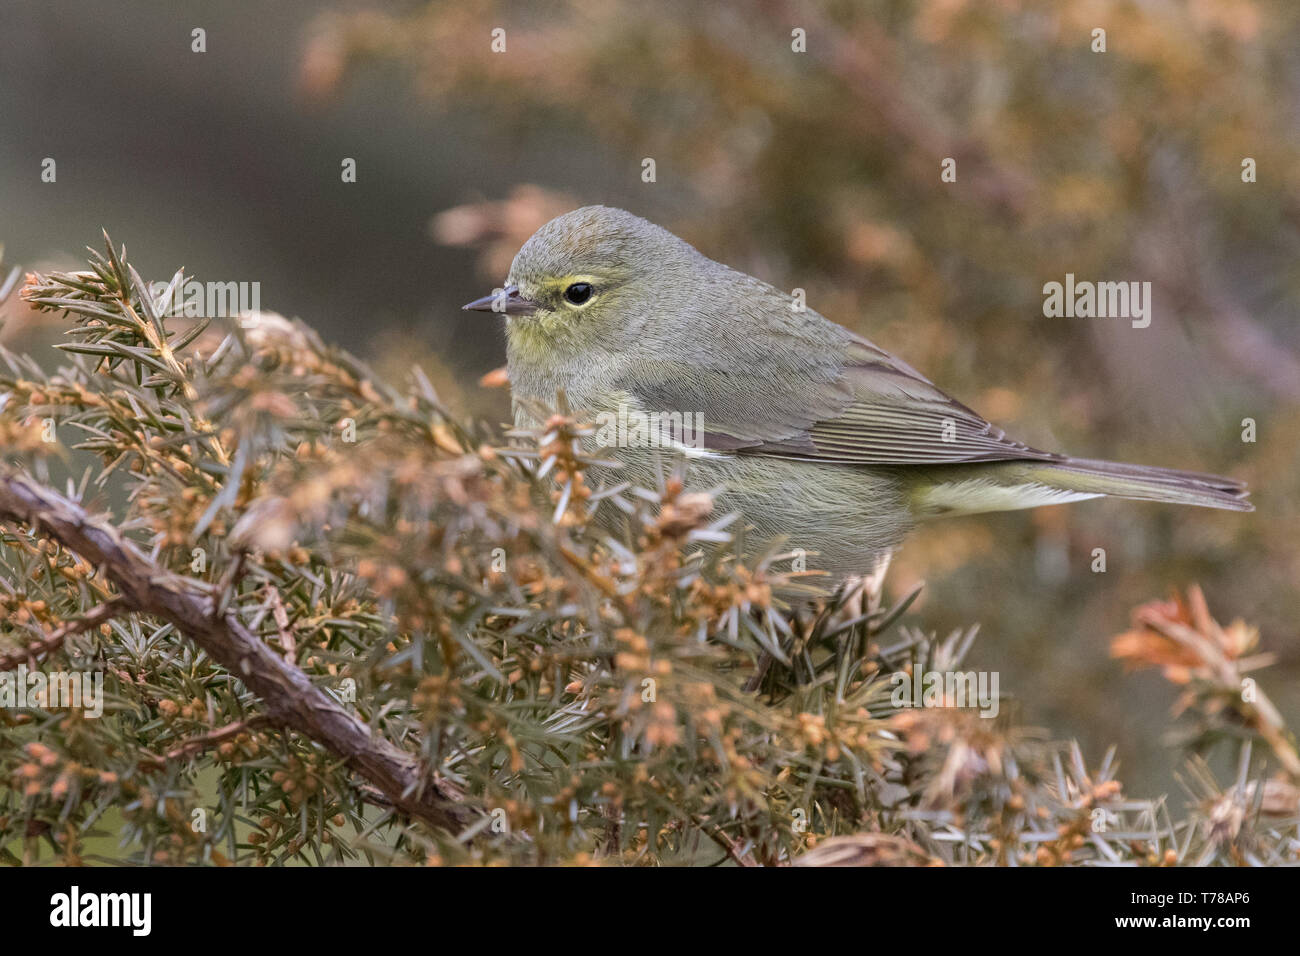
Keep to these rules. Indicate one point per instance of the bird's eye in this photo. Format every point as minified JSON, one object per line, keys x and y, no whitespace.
{"x":578,"y":293}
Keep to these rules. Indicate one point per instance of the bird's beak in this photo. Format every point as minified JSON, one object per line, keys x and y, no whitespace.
{"x":507,"y":301}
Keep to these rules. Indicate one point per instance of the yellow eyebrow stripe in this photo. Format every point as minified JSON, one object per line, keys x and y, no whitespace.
{"x":559,"y":285}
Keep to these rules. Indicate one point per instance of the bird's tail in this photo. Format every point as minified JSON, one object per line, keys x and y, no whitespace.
{"x":1086,"y":477}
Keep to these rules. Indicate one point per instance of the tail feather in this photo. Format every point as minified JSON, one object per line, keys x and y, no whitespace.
{"x":1144,"y":483}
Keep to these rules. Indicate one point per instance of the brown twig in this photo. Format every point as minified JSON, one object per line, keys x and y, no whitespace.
{"x":719,"y":837}
{"x":197,"y":745}
{"x":54,"y":640}
{"x":291,"y":698}
{"x":281,"y":618}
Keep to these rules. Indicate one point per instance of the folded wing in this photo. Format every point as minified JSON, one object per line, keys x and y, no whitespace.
{"x":852,"y":403}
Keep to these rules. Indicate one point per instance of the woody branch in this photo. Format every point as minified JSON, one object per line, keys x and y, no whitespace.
{"x":290,"y":697}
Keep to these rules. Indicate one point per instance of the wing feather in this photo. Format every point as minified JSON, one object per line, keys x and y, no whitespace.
{"x":849,"y":402}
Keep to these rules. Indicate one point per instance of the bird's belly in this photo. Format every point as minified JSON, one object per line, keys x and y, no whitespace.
{"x":839,"y":518}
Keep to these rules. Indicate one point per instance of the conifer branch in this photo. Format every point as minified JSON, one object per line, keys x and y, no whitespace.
{"x":290,"y":697}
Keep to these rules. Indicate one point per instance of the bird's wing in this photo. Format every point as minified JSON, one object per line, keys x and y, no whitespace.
{"x":858,"y":405}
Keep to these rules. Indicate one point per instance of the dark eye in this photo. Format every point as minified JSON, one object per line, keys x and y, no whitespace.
{"x":578,"y":293}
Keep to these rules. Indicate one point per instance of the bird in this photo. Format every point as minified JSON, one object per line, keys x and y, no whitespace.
{"x":815,"y":435}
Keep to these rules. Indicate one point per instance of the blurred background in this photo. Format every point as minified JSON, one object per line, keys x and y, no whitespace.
{"x":817,"y":169}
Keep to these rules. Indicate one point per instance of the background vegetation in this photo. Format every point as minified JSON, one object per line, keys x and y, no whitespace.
{"x":818,"y":170}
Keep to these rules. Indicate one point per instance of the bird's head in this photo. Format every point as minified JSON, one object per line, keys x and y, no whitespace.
{"x":591,"y":277}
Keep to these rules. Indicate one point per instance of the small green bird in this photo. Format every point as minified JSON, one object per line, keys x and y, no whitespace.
{"x":812,"y":432}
